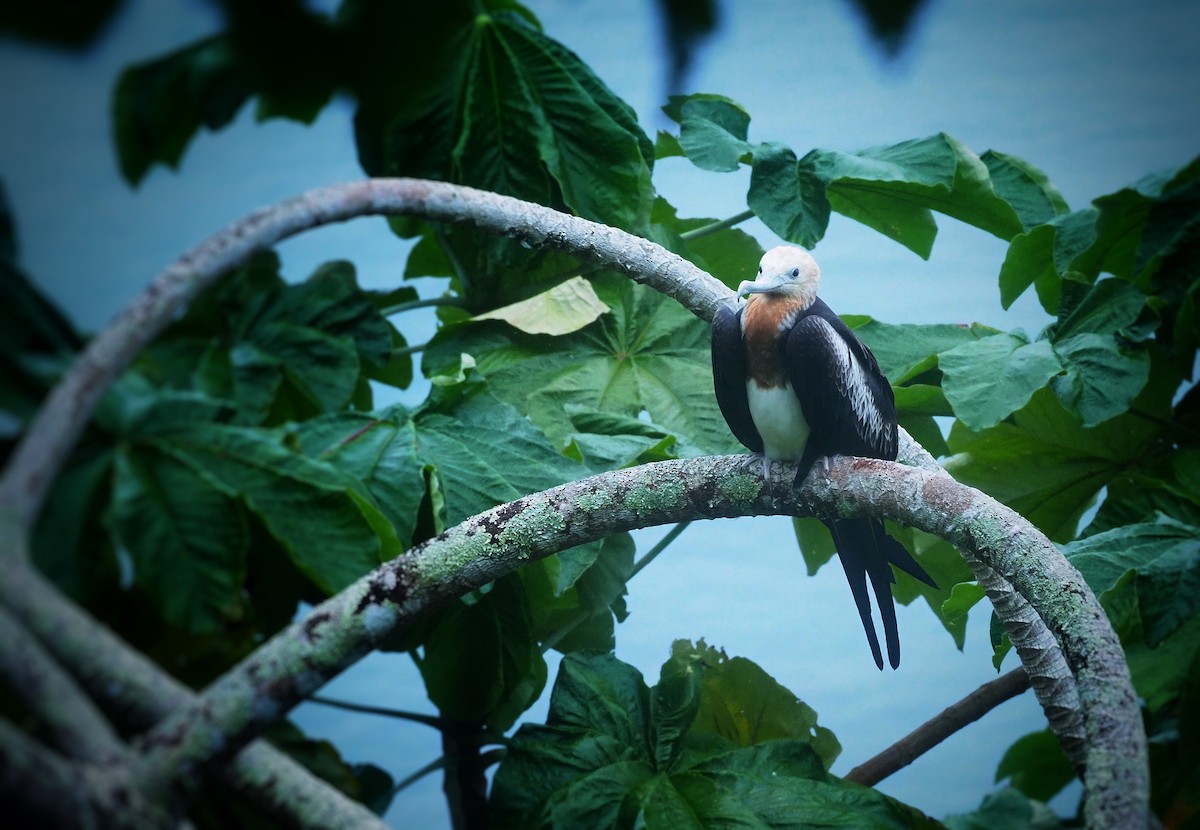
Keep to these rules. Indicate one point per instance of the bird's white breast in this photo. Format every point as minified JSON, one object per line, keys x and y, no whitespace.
{"x":779,"y":420}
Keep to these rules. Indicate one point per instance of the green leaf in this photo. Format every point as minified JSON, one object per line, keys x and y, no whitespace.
{"x":1172,"y":219}
{"x":1106,"y":307}
{"x":945,"y":565}
{"x":607,"y":441}
{"x":905,"y":351}
{"x":323,"y":517}
{"x":667,"y":146}
{"x":1036,"y":766}
{"x":987,"y":380}
{"x":159,"y":105}
{"x":480,"y":661}
{"x":520,"y":114}
{"x":365,"y":783}
{"x":187,"y":539}
{"x":1026,"y":188}
{"x":1102,"y":379}
{"x":282,"y":352}
{"x":378,"y":450}
{"x":576,"y":595}
{"x":816,"y":544}
{"x":963,"y":597}
{"x":675,"y":701}
{"x":484,"y":453}
{"x":712,"y":130}
{"x":567,"y":307}
{"x":70,"y":544}
{"x":1164,"y":558}
{"x":1006,"y":809}
{"x":1171,"y":490}
{"x":1044,"y":464}
{"x":608,"y":756}
{"x":1043,"y":255}
{"x":1105,"y":371}
{"x":648,"y":354}
{"x":598,"y":693}
{"x":745,"y":706}
{"x":788,"y":197}
{"x":725,"y":252}
{"x":893,"y":189}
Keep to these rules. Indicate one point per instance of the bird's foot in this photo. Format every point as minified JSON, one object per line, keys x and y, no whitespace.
{"x":757,"y":459}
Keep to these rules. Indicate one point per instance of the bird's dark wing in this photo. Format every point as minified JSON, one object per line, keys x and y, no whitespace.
{"x":846,"y":400}
{"x":850,"y":409}
{"x":729,"y":376}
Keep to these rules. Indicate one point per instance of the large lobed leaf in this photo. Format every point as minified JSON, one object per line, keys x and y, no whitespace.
{"x":647,"y":355}
{"x":614,"y":753}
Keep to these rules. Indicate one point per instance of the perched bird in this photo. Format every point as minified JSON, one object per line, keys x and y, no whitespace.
{"x":795,"y":384}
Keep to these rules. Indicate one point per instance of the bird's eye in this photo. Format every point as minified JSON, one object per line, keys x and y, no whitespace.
{"x":760,"y":269}
{"x":795,"y":272}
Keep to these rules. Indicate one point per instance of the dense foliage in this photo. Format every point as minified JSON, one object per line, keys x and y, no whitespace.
{"x":241,"y":466}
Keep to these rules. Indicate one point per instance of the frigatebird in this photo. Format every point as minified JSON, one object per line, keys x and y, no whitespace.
{"x":796,"y":384}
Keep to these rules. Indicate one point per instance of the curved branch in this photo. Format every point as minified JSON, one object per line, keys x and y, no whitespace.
{"x":940,"y":727}
{"x":76,"y":726}
{"x":482,"y":549}
{"x":41,"y":451}
{"x":1046,"y":666}
{"x":137,"y":693}
{"x":40,"y":788}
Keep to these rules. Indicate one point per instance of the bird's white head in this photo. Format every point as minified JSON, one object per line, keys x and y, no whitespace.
{"x":785,"y":270}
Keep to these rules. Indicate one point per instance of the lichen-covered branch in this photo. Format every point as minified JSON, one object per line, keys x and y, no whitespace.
{"x":137,"y":694}
{"x":1046,"y":667}
{"x":40,"y":788}
{"x":341,"y":630}
{"x":76,"y":726}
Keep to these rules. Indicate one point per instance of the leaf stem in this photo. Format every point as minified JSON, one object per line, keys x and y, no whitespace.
{"x":428,"y":302}
{"x":403,"y":350}
{"x":651,"y":554}
{"x":415,"y":717}
{"x":719,"y":225}
{"x":433,"y":766}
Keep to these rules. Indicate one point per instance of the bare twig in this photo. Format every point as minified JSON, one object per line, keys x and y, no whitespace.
{"x":937,"y":729}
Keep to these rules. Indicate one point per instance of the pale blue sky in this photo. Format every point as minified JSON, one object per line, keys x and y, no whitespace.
{"x":1096,"y":92}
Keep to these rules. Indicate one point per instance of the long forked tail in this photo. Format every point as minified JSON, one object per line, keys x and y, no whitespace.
{"x":866,"y":552}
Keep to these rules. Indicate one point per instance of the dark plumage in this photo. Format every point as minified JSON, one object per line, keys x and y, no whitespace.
{"x":795,"y":384}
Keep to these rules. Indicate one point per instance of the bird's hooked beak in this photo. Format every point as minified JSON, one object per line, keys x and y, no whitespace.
{"x":762,"y":285}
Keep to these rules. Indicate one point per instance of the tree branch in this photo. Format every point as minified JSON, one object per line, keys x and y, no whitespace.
{"x":1116,"y":774}
{"x":344,"y":628}
{"x":40,"y":788}
{"x":76,"y":726}
{"x":937,"y":729}
{"x":137,"y":694}
{"x":42,"y":449}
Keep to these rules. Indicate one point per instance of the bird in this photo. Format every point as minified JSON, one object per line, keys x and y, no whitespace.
{"x":794,"y":383}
